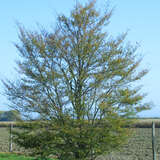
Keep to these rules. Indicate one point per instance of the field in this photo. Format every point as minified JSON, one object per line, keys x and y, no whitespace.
{"x":139,"y":146}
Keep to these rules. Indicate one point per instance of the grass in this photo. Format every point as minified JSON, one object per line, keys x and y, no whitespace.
{"x":8,"y":156}
{"x":5,"y":156}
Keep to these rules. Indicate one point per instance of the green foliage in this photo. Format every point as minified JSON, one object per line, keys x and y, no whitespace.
{"x":75,"y":139}
{"x":81,"y":82}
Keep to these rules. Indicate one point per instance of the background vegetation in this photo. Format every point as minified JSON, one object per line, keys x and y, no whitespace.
{"x":11,"y":115}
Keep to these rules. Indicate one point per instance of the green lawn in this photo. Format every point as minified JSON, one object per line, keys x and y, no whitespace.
{"x":7,"y":156}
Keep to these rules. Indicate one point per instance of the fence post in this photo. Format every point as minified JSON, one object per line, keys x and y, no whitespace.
{"x":153,"y":141}
{"x":10,"y":138}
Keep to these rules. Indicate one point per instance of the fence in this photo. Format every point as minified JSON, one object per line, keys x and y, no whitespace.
{"x":6,"y":139}
{"x":144,"y":144}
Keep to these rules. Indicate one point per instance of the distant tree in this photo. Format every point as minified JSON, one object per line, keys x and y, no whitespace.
{"x":10,"y":115}
{"x":81,"y":82}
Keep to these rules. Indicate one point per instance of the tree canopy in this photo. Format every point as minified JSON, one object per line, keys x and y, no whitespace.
{"x":81,"y":81}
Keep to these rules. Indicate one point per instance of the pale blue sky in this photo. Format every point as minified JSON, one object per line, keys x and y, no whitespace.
{"x":140,"y":17}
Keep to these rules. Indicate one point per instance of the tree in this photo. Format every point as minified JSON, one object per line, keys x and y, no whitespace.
{"x":81,"y":82}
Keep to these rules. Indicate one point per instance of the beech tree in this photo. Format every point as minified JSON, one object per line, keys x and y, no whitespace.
{"x":81,"y":82}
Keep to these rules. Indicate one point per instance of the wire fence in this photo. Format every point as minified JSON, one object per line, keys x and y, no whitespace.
{"x":6,"y":139}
